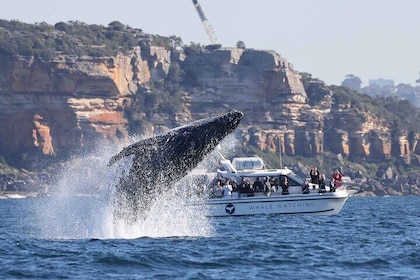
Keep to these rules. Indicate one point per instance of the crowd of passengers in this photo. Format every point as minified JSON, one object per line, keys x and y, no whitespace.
{"x":222,"y":187}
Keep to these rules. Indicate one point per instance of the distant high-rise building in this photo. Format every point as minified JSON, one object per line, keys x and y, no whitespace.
{"x":382,"y":82}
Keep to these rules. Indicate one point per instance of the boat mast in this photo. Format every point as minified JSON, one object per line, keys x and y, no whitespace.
{"x":281,"y":160}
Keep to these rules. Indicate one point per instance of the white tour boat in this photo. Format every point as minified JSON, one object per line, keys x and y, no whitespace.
{"x":314,"y":201}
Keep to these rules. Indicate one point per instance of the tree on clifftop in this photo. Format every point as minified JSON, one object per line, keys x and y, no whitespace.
{"x":352,"y":81}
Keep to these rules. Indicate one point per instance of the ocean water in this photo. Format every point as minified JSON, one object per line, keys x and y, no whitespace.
{"x":74,"y":237}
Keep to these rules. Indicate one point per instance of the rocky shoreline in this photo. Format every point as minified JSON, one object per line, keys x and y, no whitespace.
{"x":400,"y":187}
{"x":37,"y":185}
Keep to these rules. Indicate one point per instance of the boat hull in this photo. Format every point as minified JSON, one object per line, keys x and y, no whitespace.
{"x":310,"y":204}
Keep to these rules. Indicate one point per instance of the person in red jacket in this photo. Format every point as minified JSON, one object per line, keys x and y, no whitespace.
{"x":336,"y":180}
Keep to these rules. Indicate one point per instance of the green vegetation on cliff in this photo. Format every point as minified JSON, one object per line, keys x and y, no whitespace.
{"x":44,"y":41}
{"x":401,"y":114}
{"x":161,"y":97}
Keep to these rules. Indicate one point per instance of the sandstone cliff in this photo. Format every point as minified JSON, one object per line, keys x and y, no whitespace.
{"x":55,"y":108}
{"x":280,"y":114}
{"x":64,"y":104}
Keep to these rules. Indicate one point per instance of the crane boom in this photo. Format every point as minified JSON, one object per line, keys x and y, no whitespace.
{"x":204,"y":21}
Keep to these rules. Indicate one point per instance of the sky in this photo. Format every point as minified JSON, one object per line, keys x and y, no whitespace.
{"x":327,"y":38}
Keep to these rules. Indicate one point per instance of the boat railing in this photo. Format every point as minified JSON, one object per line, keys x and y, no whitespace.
{"x":293,"y":190}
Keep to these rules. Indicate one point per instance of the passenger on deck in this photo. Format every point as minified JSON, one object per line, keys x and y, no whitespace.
{"x":218,"y":181}
{"x":210,"y":191}
{"x":284,"y":186}
{"x":267,"y":186}
{"x":336,"y":180}
{"x":275,"y":185}
{"x":322,"y":188}
{"x":201,"y":190}
{"x":218,"y":191}
{"x":249,"y":187}
{"x":245,"y":187}
{"x":234,"y":186}
{"x":314,"y":173}
{"x":258,"y":185}
{"x":242,"y":187}
{"x":305,"y":187}
{"x":227,"y":190}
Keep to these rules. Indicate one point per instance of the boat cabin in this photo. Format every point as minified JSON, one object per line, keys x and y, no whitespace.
{"x":252,"y":169}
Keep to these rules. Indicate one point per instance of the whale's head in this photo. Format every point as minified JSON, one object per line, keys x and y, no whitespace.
{"x":190,"y":143}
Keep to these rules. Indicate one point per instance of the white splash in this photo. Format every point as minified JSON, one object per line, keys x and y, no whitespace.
{"x":81,"y":203}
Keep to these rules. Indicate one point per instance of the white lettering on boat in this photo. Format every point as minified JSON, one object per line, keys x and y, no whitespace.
{"x":282,"y":205}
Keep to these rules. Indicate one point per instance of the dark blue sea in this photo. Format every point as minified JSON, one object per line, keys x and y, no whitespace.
{"x":75,"y":238}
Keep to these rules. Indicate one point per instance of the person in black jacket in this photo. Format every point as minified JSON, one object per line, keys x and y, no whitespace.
{"x":284,"y":185}
{"x":305,"y":187}
{"x":314,"y":173}
{"x":258,"y":185}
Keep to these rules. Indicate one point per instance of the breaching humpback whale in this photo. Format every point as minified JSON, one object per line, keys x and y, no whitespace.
{"x":158,"y":162}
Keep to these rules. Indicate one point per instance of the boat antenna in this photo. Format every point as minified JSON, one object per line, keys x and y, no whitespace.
{"x":218,"y":149}
{"x":281,"y":160}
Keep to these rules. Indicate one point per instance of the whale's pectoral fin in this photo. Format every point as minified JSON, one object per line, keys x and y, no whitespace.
{"x":115,"y":158}
{"x":130,"y":150}
{"x":141,"y":147}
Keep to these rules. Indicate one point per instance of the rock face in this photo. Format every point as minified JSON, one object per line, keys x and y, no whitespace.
{"x":282,"y":115}
{"x":60,"y":106}
{"x":265,"y":87}
{"x":63,"y":105}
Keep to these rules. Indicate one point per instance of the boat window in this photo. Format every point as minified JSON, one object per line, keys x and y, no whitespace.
{"x":248,"y":164}
{"x":254,"y":163}
{"x":294,"y":180}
